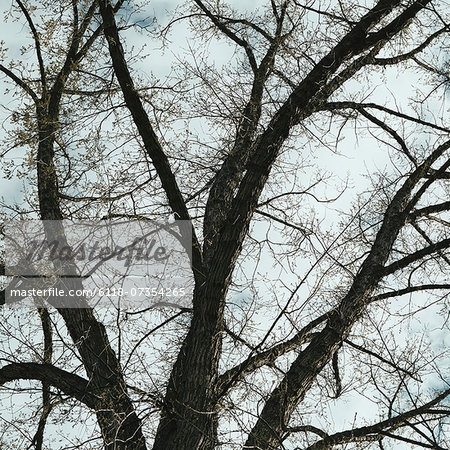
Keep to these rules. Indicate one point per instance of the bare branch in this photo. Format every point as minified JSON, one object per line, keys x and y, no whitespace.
{"x":142,"y":122}
{"x":267,"y":357}
{"x":353,"y":105}
{"x":390,"y":131}
{"x":337,"y":375}
{"x":284,"y":222}
{"x":416,"y":256}
{"x":325,"y":13}
{"x":19,"y":82}
{"x":409,"y":290}
{"x":410,"y":54}
{"x":225,"y":30}
{"x":380,"y":429}
{"x":37,"y":45}
{"x":248,"y":24}
{"x":310,"y":362}
{"x":46,"y":399}
{"x":307,"y":429}
{"x":440,"y":207}
{"x":380,"y":358}
{"x":67,"y":382}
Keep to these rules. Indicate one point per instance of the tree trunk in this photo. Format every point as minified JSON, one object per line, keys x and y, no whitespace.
{"x":189,"y":416}
{"x":119,"y":424}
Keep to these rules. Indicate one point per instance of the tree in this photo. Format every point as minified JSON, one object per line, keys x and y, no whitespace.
{"x":256,"y":361}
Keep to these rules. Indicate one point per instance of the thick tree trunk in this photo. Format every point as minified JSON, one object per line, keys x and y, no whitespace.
{"x":189,"y":417}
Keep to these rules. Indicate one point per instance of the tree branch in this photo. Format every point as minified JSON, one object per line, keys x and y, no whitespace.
{"x":337,"y":375}
{"x":354,"y":105}
{"x":232,"y":170}
{"x":325,"y":13}
{"x":440,"y":207}
{"x":416,"y":256}
{"x":306,"y":429}
{"x":390,"y":131}
{"x":248,"y":24}
{"x":19,"y":82}
{"x":408,"y":290}
{"x":266,"y":357}
{"x":300,"y":104}
{"x":311,"y":361}
{"x":67,"y":382}
{"x":410,"y":54}
{"x":37,"y":45}
{"x":142,"y":122}
{"x":38,"y":438}
{"x":380,"y":358}
{"x":225,"y":30}
{"x":378,"y":430}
